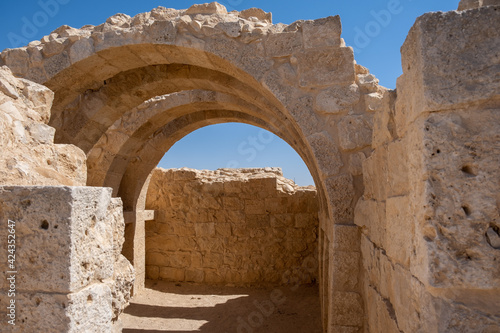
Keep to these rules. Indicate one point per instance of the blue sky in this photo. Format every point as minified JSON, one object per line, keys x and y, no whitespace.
{"x":375,"y":29}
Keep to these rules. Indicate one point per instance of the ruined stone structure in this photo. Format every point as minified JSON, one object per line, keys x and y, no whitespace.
{"x":407,"y":180}
{"x":238,"y":227}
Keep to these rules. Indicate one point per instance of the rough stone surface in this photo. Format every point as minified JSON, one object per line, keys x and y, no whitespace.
{"x":448,"y":72}
{"x":355,"y":132}
{"x":337,"y":99}
{"x":68,"y":244}
{"x":29,"y":156}
{"x":230,"y":226}
{"x":87,"y":310}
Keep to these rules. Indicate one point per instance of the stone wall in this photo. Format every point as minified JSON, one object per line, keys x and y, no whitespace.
{"x":231,"y":226}
{"x":28,"y":153}
{"x":67,"y":273}
{"x":70,"y":274}
{"x":430,"y":211}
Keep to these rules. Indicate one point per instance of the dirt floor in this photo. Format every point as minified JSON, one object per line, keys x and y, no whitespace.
{"x":183,"y":307}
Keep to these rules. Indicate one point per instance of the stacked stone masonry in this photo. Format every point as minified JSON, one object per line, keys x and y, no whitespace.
{"x":429,"y":215}
{"x":407,"y":180}
{"x":231,"y":226}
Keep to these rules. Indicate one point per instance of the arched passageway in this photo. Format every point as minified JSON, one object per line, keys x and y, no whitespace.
{"x":127,"y":90}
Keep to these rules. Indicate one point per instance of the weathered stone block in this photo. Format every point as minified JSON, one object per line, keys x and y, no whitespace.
{"x":206,"y":9}
{"x":458,"y":199}
{"x":326,"y":66}
{"x":195,"y":275}
{"x":355,"y":132}
{"x":400,"y":229}
{"x":397,"y":168}
{"x":326,"y":152}
{"x":88,"y":310}
{"x":345,"y":270}
{"x":283,"y":44}
{"x":370,"y":216}
{"x":322,"y":32}
{"x":445,"y":57}
{"x":337,"y":99}
{"x":375,"y":175}
{"x":172,"y":274}
{"x":72,"y":229}
{"x":346,"y":238}
{"x":341,"y":192}
{"x":346,"y":309}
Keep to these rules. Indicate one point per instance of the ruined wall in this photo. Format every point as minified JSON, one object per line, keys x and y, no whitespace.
{"x":232,"y":226}
{"x":67,"y":273}
{"x":28,"y":153}
{"x":429,"y":215}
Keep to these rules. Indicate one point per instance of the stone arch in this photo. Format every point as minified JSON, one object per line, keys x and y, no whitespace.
{"x":298,"y":81}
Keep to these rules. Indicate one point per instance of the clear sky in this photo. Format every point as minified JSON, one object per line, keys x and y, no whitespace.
{"x":375,"y":29}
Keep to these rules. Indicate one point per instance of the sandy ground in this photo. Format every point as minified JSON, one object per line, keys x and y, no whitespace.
{"x":183,"y":307}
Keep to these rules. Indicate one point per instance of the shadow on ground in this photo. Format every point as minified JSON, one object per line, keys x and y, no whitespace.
{"x":175,"y":308}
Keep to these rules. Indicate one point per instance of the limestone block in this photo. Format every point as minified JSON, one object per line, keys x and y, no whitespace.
{"x":70,"y":224}
{"x":370,"y":216}
{"x":283,"y":44}
{"x":88,"y":310}
{"x":81,"y":49}
{"x":337,"y":99}
{"x":121,"y":285}
{"x":340,"y":191}
{"x":257,"y":13}
{"x":400,"y":230}
{"x":384,"y":119}
{"x":275,"y":205}
{"x":326,"y":66}
{"x":120,"y":20}
{"x":322,"y":32}
{"x":368,"y":83}
{"x":404,"y":299}
{"x":39,"y":98}
{"x":41,"y":133}
{"x":172,"y":274}
{"x":356,"y":163}
{"x":195,"y":275}
{"x":17,"y":60}
{"x":54,"y":46}
{"x":302,"y":110}
{"x":461,"y":149}
{"x":469,"y":4}
{"x":326,"y":152}
{"x":204,"y":229}
{"x":206,"y":9}
{"x":447,"y":69}
{"x":345,"y":270}
{"x":8,"y":85}
{"x":381,"y":313}
{"x":375,"y":102}
{"x":160,"y":31}
{"x":375,"y":175}
{"x":355,"y":131}
{"x":397,"y":168}
{"x":231,"y":29}
{"x":346,"y":238}
{"x":346,"y":309}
